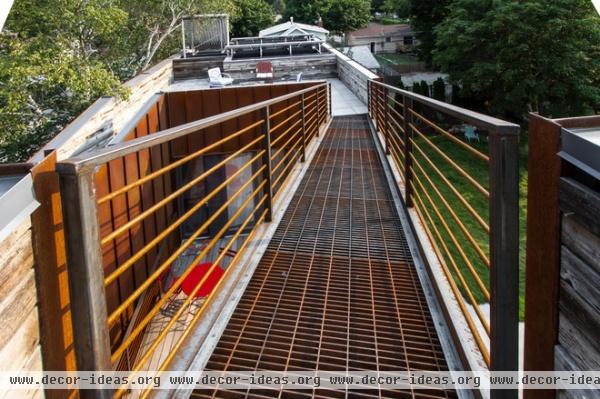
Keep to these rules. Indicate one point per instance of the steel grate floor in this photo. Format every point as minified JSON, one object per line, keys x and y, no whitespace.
{"x":336,"y":288}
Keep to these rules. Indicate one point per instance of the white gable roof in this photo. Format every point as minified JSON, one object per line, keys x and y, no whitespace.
{"x":289,"y":27}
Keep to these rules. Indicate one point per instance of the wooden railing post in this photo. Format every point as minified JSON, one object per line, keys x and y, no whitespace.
{"x":86,"y":276}
{"x":387,"y":120}
{"x":504,"y":254}
{"x":303,"y":159}
{"x":407,"y":106}
{"x":267,"y":161}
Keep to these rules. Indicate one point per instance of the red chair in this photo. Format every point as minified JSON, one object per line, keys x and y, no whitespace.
{"x":264,"y":70}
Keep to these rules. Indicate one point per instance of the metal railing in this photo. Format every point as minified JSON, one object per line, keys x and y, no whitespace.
{"x":463,"y":186}
{"x":278,"y":140}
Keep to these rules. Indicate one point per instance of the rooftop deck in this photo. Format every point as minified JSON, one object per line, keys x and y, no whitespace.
{"x":328,"y":210}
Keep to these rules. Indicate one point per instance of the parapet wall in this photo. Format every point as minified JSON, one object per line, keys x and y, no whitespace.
{"x":353,"y":74}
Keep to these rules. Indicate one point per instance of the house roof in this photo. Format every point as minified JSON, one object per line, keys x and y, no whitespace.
{"x":362,"y":55}
{"x":375,"y":29}
{"x":289,"y":27}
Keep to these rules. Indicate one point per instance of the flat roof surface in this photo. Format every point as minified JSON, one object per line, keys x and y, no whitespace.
{"x":343,"y":101}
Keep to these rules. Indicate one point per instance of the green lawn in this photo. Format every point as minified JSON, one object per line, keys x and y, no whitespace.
{"x":478,"y":169}
{"x":392,"y":59}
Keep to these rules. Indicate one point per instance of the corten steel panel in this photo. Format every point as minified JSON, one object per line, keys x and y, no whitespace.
{"x":177,"y":116}
{"x":117,"y":179}
{"x":336,"y":288}
{"x":51,"y":273}
{"x":195,"y":109}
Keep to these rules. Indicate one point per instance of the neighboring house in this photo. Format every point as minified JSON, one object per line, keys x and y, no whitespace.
{"x":362,"y":55}
{"x":291,"y":28}
{"x":383,"y":38}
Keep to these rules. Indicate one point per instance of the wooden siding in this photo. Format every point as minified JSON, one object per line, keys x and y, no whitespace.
{"x":20,"y":336}
{"x":578,"y":347}
{"x":320,"y":66}
{"x":195,"y":67}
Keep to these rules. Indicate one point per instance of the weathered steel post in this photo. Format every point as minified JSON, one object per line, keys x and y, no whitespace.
{"x":504,"y":254}
{"x":265,"y":114}
{"x":86,"y":276}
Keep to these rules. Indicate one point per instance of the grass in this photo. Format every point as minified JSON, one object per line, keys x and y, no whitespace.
{"x":478,"y":169}
{"x":393,"y":21}
{"x":392,"y":59}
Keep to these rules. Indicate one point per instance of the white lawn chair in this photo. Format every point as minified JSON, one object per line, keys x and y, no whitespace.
{"x":218,"y":79}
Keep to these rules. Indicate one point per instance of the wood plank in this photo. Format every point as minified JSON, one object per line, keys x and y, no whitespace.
{"x":584,"y":279}
{"x":543,"y":246}
{"x":565,"y":362}
{"x":581,"y":200}
{"x":15,"y":307}
{"x":581,"y":241}
{"x":578,"y":328}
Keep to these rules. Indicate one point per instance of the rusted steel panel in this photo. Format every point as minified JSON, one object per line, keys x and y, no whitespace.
{"x":177,"y":116}
{"x":211,"y":105}
{"x":543,"y":249}
{"x":51,"y":273}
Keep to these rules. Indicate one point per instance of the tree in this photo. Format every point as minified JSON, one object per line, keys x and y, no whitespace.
{"x":251,"y":17}
{"x":523,"y":56}
{"x":439,"y":89}
{"x":399,"y":7}
{"x":347,"y":15}
{"x":307,"y":11}
{"x":338,"y":16}
{"x":425,"y":16}
{"x":57,"y":57}
{"x":53,"y":64}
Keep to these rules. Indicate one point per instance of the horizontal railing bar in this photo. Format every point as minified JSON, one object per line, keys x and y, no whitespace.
{"x":478,"y":340}
{"x":311,"y":105}
{"x":127,"y":302}
{"x":163,"y":234}
{"x":139,"y":218}
{"x":283,"y":146}
{"x":400,"y":129}
{"x":282,"y":135}
{"x":397,"y":113}
{"x":452,"y":236}
{"x":297,"y":153}
{"x":459,"y":222}
{"x":208,"y":299}
{"x":165,"y":297}
{"x":103,"y":155}
{"x":456,"y":167}
{"x":286,"y":120}
{"x":460,"y":197}
{"x":450,"y":136}
{"x":394,"y":100}
{"x":484,"y":322}
{"x":310,"y":96}
{"x":285,"y":156}
{"x":177,"y":163}
{"x":281,"y":111}
{"x":396,"y":144}
{"x":312,"y":118}
{"x":494,"y":125}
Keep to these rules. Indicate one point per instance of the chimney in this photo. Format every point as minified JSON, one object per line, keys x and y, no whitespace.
{"x":292,"y":19}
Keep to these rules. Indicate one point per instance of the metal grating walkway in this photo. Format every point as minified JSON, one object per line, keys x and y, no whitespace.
{"x":336,"y":288}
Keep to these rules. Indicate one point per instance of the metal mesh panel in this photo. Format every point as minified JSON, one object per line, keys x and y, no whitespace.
{"x":204,"y":33}
{"x":336,"y":288}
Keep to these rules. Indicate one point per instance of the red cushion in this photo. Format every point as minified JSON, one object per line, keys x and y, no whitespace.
{"x":192,"y":280}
